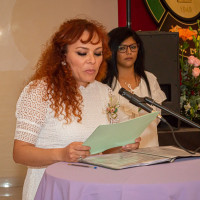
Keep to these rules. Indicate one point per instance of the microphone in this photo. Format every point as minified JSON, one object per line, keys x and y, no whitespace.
{"x":138,"y":101}
{"x":134,"y":99}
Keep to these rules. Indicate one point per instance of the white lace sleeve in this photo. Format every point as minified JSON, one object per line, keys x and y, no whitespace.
{"x":31,"y":112}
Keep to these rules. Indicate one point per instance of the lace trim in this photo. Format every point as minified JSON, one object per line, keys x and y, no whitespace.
{"x":26,"y":137}
{"x":27,"y":127}
{"x":28,"y":122}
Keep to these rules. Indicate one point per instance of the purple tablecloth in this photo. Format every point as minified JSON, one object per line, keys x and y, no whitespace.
{"x":169,"y":181}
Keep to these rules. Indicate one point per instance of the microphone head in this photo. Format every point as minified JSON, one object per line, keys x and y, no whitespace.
{"x":134,"y":99}
{"x":122,"y":91}
{"x":126,"y":94}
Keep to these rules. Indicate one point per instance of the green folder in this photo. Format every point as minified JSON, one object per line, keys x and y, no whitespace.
{"x":113,"y":135}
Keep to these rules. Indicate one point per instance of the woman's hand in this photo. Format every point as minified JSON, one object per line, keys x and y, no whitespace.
{"x":133,"y":146}
{"x":127,"y":147}
{"x":75,"y":151}
{"x":30,"y":155}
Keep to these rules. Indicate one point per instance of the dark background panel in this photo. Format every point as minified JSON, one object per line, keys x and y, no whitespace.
{"x":189,"y":138}
{"x":162,"y":59}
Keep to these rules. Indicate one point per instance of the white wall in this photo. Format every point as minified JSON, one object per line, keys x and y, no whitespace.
{"x":25,"y":25}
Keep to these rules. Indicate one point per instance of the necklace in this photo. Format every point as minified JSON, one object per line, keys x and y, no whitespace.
{"x":129,"y":86}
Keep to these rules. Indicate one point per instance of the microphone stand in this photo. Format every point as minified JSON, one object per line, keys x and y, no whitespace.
{"x":152,"y":102}
{"x":141,"y":102}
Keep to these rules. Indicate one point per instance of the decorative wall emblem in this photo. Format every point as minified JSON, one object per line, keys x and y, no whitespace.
{"x":167,"y":13}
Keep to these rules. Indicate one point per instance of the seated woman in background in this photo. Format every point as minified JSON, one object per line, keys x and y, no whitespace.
{"x":126,"y":69}
{"x":63,"y":104}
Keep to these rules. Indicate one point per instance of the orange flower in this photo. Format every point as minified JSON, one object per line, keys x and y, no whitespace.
{"x":184,"y":33}
{"x":174,"y":29}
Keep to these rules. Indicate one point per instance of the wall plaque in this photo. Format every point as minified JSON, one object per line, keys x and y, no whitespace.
{"x":167,"y":13}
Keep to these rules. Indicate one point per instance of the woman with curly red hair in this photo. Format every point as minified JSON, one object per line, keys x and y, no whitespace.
{"x":63,"y":104}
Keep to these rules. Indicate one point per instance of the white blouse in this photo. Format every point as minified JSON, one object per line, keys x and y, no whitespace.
{"x":129,"y":111}
{"x":37,"y":125}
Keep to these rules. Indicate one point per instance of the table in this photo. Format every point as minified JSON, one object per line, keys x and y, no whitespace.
{"x":179,"y":180}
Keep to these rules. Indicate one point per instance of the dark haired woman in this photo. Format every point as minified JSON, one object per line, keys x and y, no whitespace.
{"x":126,"y":69}
{"x":63,"y":104}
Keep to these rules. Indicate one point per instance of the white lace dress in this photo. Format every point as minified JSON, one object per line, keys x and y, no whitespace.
{"x":128,"y":111}
{"x":37,"y":125}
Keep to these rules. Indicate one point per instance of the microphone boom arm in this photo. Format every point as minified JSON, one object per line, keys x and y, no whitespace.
{"x":152,"y":102}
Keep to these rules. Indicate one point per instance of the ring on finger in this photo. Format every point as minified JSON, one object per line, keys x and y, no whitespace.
{"x":80,"y":158}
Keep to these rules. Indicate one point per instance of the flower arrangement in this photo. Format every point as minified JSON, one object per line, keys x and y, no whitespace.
{"x":190,"y":71}
{"x":112,"y":108}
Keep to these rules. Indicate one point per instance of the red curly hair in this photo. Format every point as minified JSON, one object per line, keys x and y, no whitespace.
{"x":62,"y":89}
